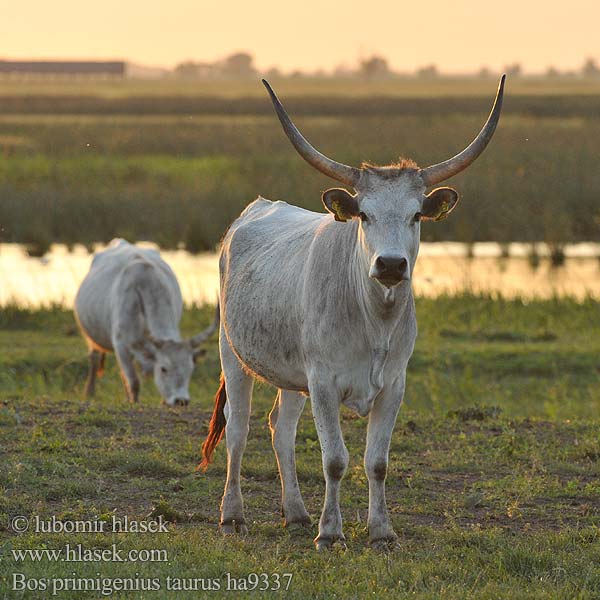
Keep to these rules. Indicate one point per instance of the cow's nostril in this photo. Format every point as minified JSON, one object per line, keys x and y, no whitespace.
{"x":402,"y":265}
{"x":182,"y":401}
{"x":380,"y":263}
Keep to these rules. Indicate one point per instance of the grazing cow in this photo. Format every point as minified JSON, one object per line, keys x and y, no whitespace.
{"x":321,"y":305}
{"x":130,"y":303}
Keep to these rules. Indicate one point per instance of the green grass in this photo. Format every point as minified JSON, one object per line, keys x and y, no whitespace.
{"x":493,"y":481}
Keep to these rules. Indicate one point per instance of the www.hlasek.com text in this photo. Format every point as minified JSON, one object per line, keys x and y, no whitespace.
{"x":79,"y":553}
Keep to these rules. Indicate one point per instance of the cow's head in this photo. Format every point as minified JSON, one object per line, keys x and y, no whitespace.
{"x":172,"y":362}
{"x":390,"y":202}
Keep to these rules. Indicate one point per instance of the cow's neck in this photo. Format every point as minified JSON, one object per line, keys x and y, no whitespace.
{"x":159,"y":313}
{"x":384,"y":310}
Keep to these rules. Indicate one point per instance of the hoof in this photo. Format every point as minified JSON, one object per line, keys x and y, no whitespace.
{"x":384,"y":545}
{"x":323,"y":544}
{"x":298,"y":524}
{"x":234,"y":527}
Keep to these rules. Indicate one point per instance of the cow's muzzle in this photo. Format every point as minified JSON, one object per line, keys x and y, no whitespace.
{"x":390,"y":270}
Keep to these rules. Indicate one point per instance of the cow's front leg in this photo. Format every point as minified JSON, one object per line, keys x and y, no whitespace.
{"x":379,"y":434}
{"x":326,"y":411}
{"x":128,"y":374}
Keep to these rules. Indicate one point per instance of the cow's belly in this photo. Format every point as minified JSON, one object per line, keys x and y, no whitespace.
{"x":96,"y":333}
{"x":271,"y":358}
{"x":93,"y":317}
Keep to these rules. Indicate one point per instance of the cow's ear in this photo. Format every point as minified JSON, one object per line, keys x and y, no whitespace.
{"x":198,"y":352}
{"x":341,"y":203}
{"x":146,"y":349}
{"x":438,"y":204}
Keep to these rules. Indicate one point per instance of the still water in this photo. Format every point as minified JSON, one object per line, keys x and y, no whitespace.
{"x":442,"y":268}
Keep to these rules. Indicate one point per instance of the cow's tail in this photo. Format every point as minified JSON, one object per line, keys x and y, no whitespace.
{"x":216,"y":428}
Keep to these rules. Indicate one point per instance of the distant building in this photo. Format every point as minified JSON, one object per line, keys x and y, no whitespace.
{"x":62,"y":68}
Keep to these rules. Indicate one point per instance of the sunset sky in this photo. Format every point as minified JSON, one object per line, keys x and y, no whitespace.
{"x":457,"y":35}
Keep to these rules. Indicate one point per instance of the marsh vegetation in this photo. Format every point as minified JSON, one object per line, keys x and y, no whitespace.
{"x":177,"y":164}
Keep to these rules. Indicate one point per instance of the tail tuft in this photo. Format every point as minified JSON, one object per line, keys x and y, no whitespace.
{"x":216,"y":428}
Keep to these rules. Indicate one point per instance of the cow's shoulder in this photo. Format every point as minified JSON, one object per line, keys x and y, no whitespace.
{"x":118,"y":247}
{"x":121,"y":253}
{"x":265,"y":218}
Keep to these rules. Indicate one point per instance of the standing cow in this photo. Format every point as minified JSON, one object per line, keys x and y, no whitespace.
{"x":130,"y":303}
{"x":322,"y":305}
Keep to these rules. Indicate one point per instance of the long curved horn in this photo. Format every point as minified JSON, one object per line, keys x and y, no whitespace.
{"x":201,"y":337}
{"x":444,"y":170}
{"x":335,"y":170}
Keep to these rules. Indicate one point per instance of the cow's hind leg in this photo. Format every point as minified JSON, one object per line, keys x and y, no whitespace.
{"x":238,"y":386}
{"x":283,"y":421}
{"x":95,"y":365}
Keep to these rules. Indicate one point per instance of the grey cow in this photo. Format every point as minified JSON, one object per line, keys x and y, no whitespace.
{"x":130,"y":303}
{"x":321,"y":305}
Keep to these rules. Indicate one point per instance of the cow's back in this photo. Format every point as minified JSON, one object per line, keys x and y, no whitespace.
{"x":263,"y":268}
{"x":100,"y":293}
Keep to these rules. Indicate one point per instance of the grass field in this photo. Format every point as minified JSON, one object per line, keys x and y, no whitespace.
{"x":494,"y":472}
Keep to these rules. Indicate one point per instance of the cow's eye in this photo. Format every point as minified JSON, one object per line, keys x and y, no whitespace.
{"x":418,"y":217}
{"x":163,"y":369}
{"x":362,"y":217}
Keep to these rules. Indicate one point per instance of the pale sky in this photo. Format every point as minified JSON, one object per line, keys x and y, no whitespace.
{"x":457,"y":35}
